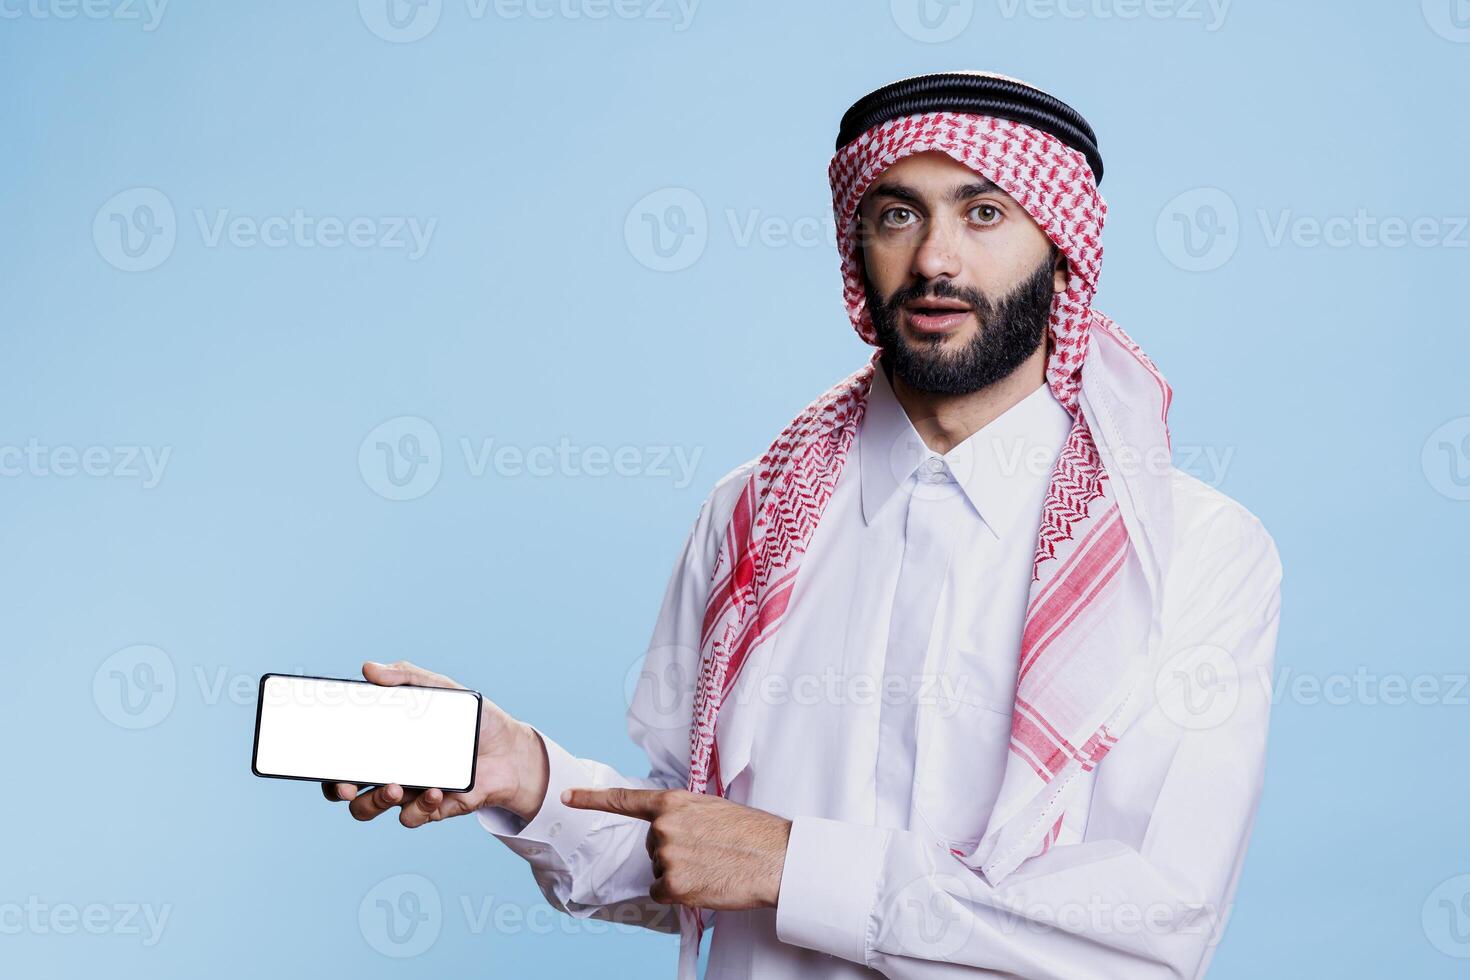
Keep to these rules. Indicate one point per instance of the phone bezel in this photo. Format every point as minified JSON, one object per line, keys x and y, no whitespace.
{"x":260,"y":705}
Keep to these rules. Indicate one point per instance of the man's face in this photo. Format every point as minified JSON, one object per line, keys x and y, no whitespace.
{"x":959,"y":277}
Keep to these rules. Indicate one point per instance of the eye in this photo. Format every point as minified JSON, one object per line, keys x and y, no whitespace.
{"x":985,"y":214}
{"x":898,"y":217}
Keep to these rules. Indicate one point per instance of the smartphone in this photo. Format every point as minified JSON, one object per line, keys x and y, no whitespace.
{"x":331,"y":730}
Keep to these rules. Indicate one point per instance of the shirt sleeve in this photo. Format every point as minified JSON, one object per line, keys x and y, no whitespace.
{"x":1146,"y":892}
{"x":593,"y":864}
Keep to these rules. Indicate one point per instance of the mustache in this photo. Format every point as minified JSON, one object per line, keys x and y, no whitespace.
{"x":938,"y":289}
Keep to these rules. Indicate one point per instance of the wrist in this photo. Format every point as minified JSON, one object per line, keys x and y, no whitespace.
{"x":773,"y":880}
{"x":533,"y":773}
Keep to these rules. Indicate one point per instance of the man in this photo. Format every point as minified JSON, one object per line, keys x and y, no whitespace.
{"x":1010,"y":717}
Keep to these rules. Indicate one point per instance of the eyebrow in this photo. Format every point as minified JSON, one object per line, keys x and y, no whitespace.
{"x":962,"y":192}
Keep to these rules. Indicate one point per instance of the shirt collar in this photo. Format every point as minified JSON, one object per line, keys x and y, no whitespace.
{"x":1003,"y":467}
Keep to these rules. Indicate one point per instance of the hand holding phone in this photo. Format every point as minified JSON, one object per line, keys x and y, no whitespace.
{"x":510,"y":766}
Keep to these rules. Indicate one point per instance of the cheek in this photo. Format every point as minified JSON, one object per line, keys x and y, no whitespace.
{"x":999,"y":262}
{"x":887,"y":266}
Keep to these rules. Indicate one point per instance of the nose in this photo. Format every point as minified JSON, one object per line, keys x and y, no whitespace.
{"x":938,"y":253}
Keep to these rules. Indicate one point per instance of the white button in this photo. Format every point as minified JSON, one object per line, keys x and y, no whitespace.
{"x":534,"y":849}
{"x":934,"y":471}
{"x":554,"y":829}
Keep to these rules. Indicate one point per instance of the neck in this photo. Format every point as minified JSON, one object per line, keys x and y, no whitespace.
{"x":945,"y":421}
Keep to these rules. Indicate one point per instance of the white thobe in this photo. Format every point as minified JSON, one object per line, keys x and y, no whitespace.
{"x":878,"y":721}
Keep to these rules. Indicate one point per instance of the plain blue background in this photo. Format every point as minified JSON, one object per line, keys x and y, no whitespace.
{"x":1332,"y":376}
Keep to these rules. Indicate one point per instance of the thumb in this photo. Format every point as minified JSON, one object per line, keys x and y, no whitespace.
{"x":403,"y":672}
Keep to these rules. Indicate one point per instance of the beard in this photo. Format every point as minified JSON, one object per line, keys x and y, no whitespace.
{"x":1010,"y":331}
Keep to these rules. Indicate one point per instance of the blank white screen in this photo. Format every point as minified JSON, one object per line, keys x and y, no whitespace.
{"x":363,"y":733}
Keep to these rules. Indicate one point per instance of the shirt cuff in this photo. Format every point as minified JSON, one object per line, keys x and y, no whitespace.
{"x":829,"y":886}
{"x":556,"y":831}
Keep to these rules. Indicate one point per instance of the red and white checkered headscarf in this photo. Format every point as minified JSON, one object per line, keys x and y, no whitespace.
{"x":1094,"y":562}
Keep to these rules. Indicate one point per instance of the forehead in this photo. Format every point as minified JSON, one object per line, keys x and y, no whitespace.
{"x":930,"y":174}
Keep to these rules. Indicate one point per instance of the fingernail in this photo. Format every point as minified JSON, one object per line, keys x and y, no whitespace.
{"x":566,"y":796}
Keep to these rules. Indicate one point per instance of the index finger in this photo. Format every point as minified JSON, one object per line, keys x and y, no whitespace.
{"x":339,"y":792}
{"x":645,"y":804}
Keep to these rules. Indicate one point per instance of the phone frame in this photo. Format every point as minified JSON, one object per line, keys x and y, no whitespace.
{"x":260,"y":707}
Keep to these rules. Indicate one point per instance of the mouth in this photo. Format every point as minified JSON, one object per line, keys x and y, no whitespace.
{"x":936,"y":317}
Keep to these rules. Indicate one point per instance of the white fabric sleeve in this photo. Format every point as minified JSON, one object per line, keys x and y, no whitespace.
{"x":1147,"y":891}
{"x":593,"y":864}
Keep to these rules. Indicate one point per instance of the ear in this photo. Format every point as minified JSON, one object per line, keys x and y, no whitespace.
{"x":1059,"y":277}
